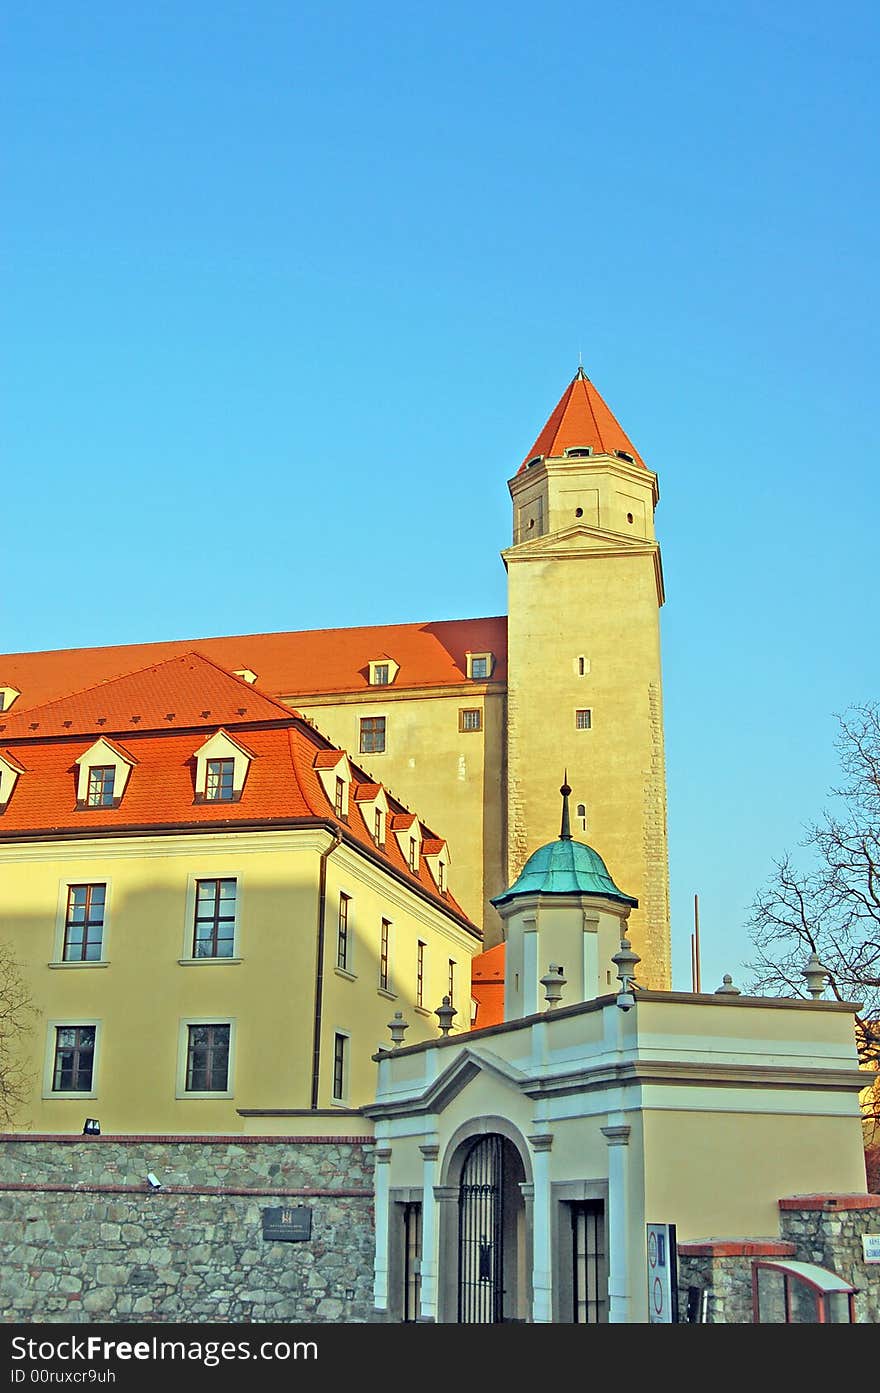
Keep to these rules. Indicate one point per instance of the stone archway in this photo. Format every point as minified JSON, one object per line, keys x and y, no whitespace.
{"x":485,"y":1225}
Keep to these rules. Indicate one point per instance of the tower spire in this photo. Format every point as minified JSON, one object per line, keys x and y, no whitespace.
{"x":565,"y":831}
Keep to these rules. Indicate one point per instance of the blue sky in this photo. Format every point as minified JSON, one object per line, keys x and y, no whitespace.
{"x":286,"y":285}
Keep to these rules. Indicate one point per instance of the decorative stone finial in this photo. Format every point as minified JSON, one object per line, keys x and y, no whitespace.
{"x":553,"y":982}
{"x":727,"y":988}
{"x":816,"y":975}
{"x":445,"y":1014}
{"x":398,"y":1028}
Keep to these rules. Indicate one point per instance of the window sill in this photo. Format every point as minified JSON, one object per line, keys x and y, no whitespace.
{"x":387,"y":993}
{"x":72,"y":1094}
{"x":196,"y":1097}
{"x":206,"y":962}
{"x":343,"y":972}
{"x":422,"y":1011}
{"x":102,"y":963}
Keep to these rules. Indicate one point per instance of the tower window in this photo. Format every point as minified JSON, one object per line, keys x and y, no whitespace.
{"x":578,"y":451}
{"x":578,"y":512}
{"x":629,"y":517}
{"x":583,"y":720}
{"x":622,"y":454}
{"x":581,"y":815}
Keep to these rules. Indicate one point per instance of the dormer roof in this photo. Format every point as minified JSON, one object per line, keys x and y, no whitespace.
{"x":581,"y":420}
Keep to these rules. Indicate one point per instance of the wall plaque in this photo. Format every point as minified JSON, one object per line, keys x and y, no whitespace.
{"x":293,"y":1225}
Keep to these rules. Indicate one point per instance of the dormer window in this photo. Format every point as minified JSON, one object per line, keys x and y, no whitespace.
{"x":436,"y":854}
{"x":413,"y":854}
{"x":480,"y":666}
{"x":379,"y":828}
{"x":7,"y":697}
{"x":103,"y":773}
{"x":222,"y":766}
{"x":624,"y":454}
{"x":578,"y":451}
{"x":537,"y":460}
{"x":334,"y":771}
{"x":220,"y":782}
{"x":9,"y":772}
{"x":102,"y":778}
{"x":383,"y":672}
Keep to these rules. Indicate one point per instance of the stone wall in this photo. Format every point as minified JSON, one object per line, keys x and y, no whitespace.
{"x":822,"y":1229}
{"x":84,"y":1237}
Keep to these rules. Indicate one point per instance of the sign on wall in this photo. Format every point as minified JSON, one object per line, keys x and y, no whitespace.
{"x":290,"y":1225}
{"x":662,"y":1274}
{"x":871,"y":1247}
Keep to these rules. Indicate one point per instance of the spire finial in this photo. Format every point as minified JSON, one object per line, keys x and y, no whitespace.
{"x":565,"y":831}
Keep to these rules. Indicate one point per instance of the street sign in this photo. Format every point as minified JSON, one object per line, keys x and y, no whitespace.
{"x":662,"y":1274}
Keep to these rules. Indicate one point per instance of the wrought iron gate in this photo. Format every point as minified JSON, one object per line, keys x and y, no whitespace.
{"x":480,"y":1234}
{"x":412,"y":1261}
{"x":590,"y":1276}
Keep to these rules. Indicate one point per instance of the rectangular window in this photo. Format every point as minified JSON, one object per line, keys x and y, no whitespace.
{"x":379,"y":828}
{"x":420,"y":974}
{"x":214,"y":929}
{"x":383,"y":954}
{"x":451,"y":982}
{"x":479,"y":668}
{"x":470,"y":720}
{"x":372,"y":740}
{"x":207,"y":1059}
{"x":101,"y":780}
{"x":583,"y":720}
{"x":342,"y":933}
{"x":340,"y":1066}
{"x":380,"y":674}
{"x":221,"y":777}
{"x":339,"y":797}
{"x":84,"y":923}
{"x":74,"y":1059}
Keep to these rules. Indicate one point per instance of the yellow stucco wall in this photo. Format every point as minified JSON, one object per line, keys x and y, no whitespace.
{"x":141,"y":992}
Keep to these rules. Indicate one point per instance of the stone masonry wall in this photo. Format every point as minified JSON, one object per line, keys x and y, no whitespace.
{"x":84,"y":1237}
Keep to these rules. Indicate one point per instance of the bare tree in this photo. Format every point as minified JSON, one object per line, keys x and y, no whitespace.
{"x":832,"y":908}
{"x":17,"y":1013}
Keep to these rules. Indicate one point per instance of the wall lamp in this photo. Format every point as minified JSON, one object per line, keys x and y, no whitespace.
{"x":91,"y":1127}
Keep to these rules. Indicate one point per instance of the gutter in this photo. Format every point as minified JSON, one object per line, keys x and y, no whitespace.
{"x":319,"y":965}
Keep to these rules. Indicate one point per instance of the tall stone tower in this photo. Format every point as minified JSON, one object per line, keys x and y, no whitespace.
{"x":585,"y":586}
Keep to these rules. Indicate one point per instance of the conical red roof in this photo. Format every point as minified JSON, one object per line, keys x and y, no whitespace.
{"x":581,"y":418}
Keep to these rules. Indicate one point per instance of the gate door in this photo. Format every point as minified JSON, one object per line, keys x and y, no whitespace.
{"x":480,"y":1234}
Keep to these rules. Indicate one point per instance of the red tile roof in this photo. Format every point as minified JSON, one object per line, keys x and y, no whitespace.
{"x":581,"y":417}
{"x":282,"y":785}
{"x":291,"y":665}
{"x":179,"y":693}
{"x":487,"y":986}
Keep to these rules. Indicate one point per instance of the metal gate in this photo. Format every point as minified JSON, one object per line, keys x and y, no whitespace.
{"x":412,"y":1261}
{"x":590,"y":1276}
{"x":480,"y":1234}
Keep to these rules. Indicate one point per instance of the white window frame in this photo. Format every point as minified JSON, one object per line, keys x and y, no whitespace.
{"x":69,"y":1022}
{"x":187,"y":958}
{"x":101,"y":755}
{"x":221,"y":746}
{"x":189,"y":1095}
{"x":64,"y":885}
{"x":490,"y":665}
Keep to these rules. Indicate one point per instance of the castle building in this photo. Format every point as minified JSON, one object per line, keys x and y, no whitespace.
{"x":214,"y":908}
{"x":463,"y":719}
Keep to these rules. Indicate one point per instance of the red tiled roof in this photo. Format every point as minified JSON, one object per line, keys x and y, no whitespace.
{"x":581,"y":417}
{"x":432,"y":846}
{"x":328,"y":759}
{"x":282,"y":783}
{"x":487,"y":986}
{"x":178,"y":693}
{"x":366,"y":792}
{"x":290,"y":665}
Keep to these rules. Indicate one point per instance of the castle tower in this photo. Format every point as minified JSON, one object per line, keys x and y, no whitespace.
{"x":585,"y":586}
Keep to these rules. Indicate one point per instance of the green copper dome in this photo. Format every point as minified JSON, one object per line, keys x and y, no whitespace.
{"x":565,"y":867}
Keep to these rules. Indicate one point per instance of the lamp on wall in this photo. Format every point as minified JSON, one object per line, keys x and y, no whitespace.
{"x":91,"y":1127}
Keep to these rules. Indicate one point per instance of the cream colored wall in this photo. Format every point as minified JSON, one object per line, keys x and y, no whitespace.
{"x":141,"y":992}
{"x":715,"y":1174}
{"x":354,"y":1002}
{"x":592,"y":596}
{"x":452,"y":779}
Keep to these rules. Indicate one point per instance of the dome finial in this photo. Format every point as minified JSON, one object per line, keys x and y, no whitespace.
{"x":565,"y":831}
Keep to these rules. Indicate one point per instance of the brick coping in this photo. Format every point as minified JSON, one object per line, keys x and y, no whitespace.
{"x":168,"y":1139}
{"x":831,"y":1203}
{"x":85,"y":1188}
{"x":737,"y":1248}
